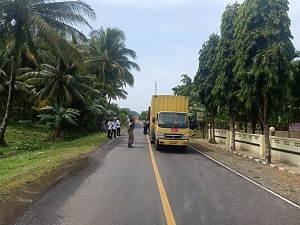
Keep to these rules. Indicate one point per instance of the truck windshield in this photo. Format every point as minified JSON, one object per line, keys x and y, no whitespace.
{"x":172,"y":119}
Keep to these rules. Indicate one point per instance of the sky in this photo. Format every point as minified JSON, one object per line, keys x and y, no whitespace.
{"x":166,"y":35}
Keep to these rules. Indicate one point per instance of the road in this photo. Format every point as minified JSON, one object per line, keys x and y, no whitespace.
{"x":123,"y":186}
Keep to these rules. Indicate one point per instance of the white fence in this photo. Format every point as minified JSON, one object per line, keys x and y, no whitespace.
{"x":283,"y":149}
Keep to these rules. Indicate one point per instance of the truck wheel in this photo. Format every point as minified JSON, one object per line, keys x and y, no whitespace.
{"x":152,"y":138}
{"x":157,"y":146}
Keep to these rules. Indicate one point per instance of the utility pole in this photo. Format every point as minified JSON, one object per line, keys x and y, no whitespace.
{"x":155,"y":87}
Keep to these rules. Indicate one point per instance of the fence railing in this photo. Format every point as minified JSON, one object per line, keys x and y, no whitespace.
{"x":283,"y":149}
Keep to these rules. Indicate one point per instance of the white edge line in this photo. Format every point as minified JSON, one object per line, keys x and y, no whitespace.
{"x":268,"y":190}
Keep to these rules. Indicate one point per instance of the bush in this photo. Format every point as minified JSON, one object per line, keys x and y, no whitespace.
{"x":28,"y":146}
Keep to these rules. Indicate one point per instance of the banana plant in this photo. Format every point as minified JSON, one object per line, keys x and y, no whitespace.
{"x":56,"y":114}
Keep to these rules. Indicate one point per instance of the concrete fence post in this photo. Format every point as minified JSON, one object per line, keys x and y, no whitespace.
{"x":228,"y":139}
{"x":262,"y":145}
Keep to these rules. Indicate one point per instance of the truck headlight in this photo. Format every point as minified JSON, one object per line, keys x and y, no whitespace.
{"x":160,"y":135}
{"x":185,"y":136}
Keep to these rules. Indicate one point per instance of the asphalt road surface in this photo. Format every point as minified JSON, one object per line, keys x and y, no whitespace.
{"x":141,"y":186}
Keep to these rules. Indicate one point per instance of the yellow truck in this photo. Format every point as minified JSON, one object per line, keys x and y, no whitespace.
{"x":169,"y":125}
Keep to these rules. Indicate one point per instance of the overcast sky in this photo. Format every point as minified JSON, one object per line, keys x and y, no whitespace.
{"x":166,"y":36}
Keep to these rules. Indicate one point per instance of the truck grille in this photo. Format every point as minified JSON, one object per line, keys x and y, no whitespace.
{"x":173,"y":136}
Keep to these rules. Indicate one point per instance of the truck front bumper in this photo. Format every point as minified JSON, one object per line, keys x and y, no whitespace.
{"x":173,"y":142}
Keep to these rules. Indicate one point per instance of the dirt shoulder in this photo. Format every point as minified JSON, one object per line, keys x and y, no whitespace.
{"x":272,"y":177}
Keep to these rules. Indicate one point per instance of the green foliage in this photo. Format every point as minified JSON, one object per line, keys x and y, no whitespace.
{"x":186,"y":88}
{"x":205,"y":77}
{"x":46,"y":20}
{"x":131,"y":114}
{"x":122,"y":116}
{"x":61,"y":83}
{"x":47,"y":64}
{"x":109,"y":61}
{"x":19,"y":170}
{"x":293,"y":108}
{"x":143,"y":115}
{"x":264,"y":52}
{"x":23,"y":137}
{"x":225,"y":89}
{"x":27,"y":146}
{"x":56,"y":115}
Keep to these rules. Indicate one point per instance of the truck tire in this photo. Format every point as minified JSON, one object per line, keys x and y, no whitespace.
{"x":157,"y":146}
{"x":152,"y":138}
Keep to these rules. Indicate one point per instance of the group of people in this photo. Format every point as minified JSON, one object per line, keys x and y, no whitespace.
{"x":112,"y":127}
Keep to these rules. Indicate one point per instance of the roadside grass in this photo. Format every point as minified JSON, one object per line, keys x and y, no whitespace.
{"x":26,"y":166}
{"x":22,"y":138}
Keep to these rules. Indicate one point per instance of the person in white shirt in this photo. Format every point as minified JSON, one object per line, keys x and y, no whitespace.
{"x":109,"y":127}
{"x":114,"y":128}
{"x":118,"y":128}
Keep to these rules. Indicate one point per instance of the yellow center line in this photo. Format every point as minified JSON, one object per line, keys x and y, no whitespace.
{"x":163,"y":195}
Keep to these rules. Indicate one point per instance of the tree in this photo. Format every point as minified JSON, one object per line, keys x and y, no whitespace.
{"x":225,"y":89}
{"x":44,"y":18}
{"x":186,"y":88}
{"x":264,"y":54}
{"x":21,"y":90}
{"x":62,"y":83}
{"x":294,"y":101}
{"x":143,"y":115}
{"x":205,"y":78}
{"x":109,"y":61}
{"x":56,"y":114}
{"x":123,"y":115}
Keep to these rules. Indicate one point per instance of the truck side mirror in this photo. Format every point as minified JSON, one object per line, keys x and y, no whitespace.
{"x":153,"y":119}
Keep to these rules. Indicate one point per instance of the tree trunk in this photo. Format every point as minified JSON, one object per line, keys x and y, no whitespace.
{"x":253,"y":126}
{"x":266,"y":133}
{"x":210,"y":132}
{"x":213,"y":139}
{"x":210,"y":127}
{"x":246,"y":126}
{"x":11,"y":87}
{"x":262,"y":126}
{"x":57,"y":132}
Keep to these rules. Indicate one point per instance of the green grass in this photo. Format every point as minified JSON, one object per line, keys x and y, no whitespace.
{"x":22,"y":138}
{"x":25,"y":166}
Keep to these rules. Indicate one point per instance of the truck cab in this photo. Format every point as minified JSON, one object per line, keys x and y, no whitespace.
{"x":172,"y":128}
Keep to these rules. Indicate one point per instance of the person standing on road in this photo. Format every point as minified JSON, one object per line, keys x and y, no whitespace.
{"x":133,"y":122}
{"x":145,"y":126}
{"x":109,"y":125}
{"x":130,"y":133}
{"x":118,"y":127}
{"x":114,"y":128}
{"x":103,"y":125}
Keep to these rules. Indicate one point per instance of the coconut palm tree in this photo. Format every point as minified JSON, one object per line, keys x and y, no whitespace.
{"x":61,"y":84}
{"x":109,"y":59}
{"x":23,"y":19}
